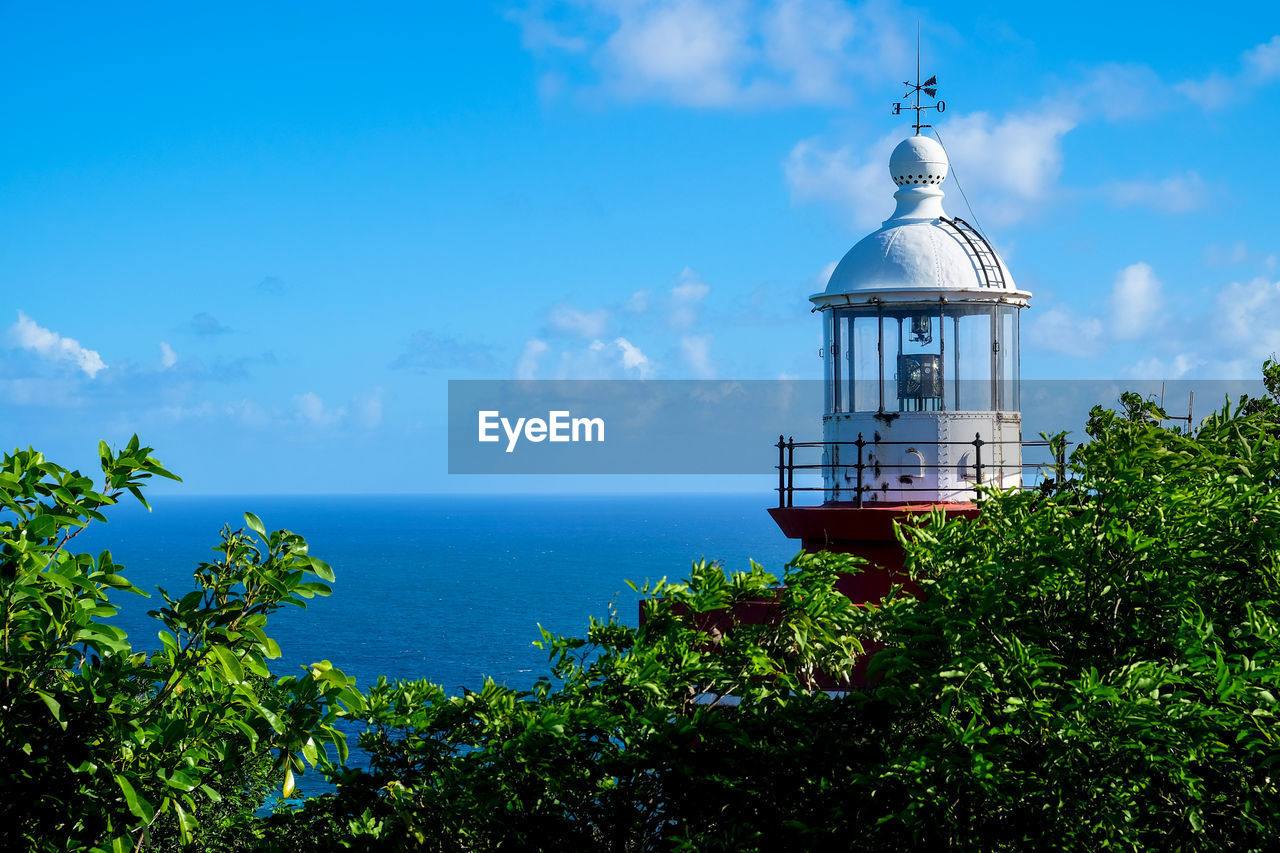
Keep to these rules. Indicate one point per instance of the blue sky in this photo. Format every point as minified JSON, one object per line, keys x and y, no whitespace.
{"x":265,"y":236}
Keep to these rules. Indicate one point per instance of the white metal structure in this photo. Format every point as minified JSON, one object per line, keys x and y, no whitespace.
{"x":921,"y":351}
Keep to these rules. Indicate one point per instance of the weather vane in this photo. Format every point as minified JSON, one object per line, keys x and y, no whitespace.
{"x":929,"y":87}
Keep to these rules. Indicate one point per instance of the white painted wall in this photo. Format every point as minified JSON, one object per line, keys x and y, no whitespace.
{"x":925,"y":467}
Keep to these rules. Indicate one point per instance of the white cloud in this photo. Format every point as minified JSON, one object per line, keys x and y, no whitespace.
{"x":539,"y":34}
{"x":686,"y":298}
{"x":1262,"y":63}
{"x":1118,"y":91}
{"x":1137,"y":300}
{"x":688,"y":51}
{"x":1250,"y":314}
{"x":1008,"y":167}
{"x":527,"y":365}
{"x":691,"y":288}
{"x":717,"y":53}
{"x":168,"y":358}
{"x":1259,"y":65}
{"x":632,"y":357}
{"x":1063,"y":331}
{"x":49,"y":345}
{"x":311,"y":409}
{"x":1211,"y":93}
{"x":1155,"y":368}
{"x":638,"y":302}
{"x":1011,"y":164}
{"x":1175,"y":194}
{"x":368,"y":407}
{"x":1239,"y":329}
{"x":696,"y":350}
{"x":620,"y":359}
{"x":859,"y":184}
{"x":808,"y":41}
{"x":1216,"y":255}
{"x":574,"y":321}
{"x":250,"y":413}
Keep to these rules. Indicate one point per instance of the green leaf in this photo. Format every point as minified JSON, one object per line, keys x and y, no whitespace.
{"x":321,"y":569}
{"x":230,"y":665}
{"x":255,"y":524}
{"x":181,"y":780}
{"x":54,"y":706}
{"x":309,"y":751}
{"x":42,"y":527}
{"x":186,"y":823}
{"x":140,"y":808}
{"x":247,"y":730}
{"x":137,"y":493}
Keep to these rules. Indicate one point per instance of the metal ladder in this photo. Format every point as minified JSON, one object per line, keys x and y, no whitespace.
{"x":984,"y":256}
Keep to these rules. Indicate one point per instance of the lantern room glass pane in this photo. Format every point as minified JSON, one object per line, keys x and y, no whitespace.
{"x":1008,"y":358}
{"x":852,"y":360}
{"x":890,"y":350}
{"x":828,"y":361}
{"x":864,"y":360}
{"x":972,"y":362}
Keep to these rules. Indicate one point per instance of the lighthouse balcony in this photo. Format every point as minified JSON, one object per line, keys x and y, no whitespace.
{"x":871,"y":471}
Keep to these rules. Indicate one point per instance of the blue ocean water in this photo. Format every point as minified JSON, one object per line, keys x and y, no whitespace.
{"x":447,"y":588}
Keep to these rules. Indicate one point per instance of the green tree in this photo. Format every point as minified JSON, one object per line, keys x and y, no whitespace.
{"x":109,"y":748}
{"x":1094,"y":665}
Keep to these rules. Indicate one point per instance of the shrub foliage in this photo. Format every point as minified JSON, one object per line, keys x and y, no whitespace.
{"x":104,"y":747}
{"x":1093,"y":665}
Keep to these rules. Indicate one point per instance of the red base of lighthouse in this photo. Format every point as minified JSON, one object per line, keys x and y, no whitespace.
{"x":866,"y":532}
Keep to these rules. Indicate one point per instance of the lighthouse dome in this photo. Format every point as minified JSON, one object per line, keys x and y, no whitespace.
{"x":920,"y":252}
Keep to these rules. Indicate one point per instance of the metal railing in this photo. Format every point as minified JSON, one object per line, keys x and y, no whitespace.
{"x":787,"y":465}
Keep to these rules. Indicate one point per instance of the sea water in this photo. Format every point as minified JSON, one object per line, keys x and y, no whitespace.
{"x":445,"y":588}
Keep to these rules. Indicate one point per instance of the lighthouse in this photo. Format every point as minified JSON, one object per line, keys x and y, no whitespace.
{"x":920,"y":349}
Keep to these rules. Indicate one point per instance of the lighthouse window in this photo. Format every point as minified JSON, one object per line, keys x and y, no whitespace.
{"x":864,"y":356}
{"x":853,"y":360}
{"x":1008,"y":358}
{"x":970,"y":359}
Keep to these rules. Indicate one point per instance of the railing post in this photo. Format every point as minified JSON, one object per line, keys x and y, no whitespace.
{"x":977,"y":462}
{"x":831,"y":452}
{"x":861,"y":444}
{"x":791,"y":467}
{"x":1062,"y":463}
{"x":782,"y":482}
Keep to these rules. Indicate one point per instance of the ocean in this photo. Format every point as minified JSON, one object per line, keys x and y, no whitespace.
{"x":446,"y":588}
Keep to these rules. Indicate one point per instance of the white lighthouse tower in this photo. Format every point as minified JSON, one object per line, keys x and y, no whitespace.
{"x":920,"y":322}
{"x":921,"y":405}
